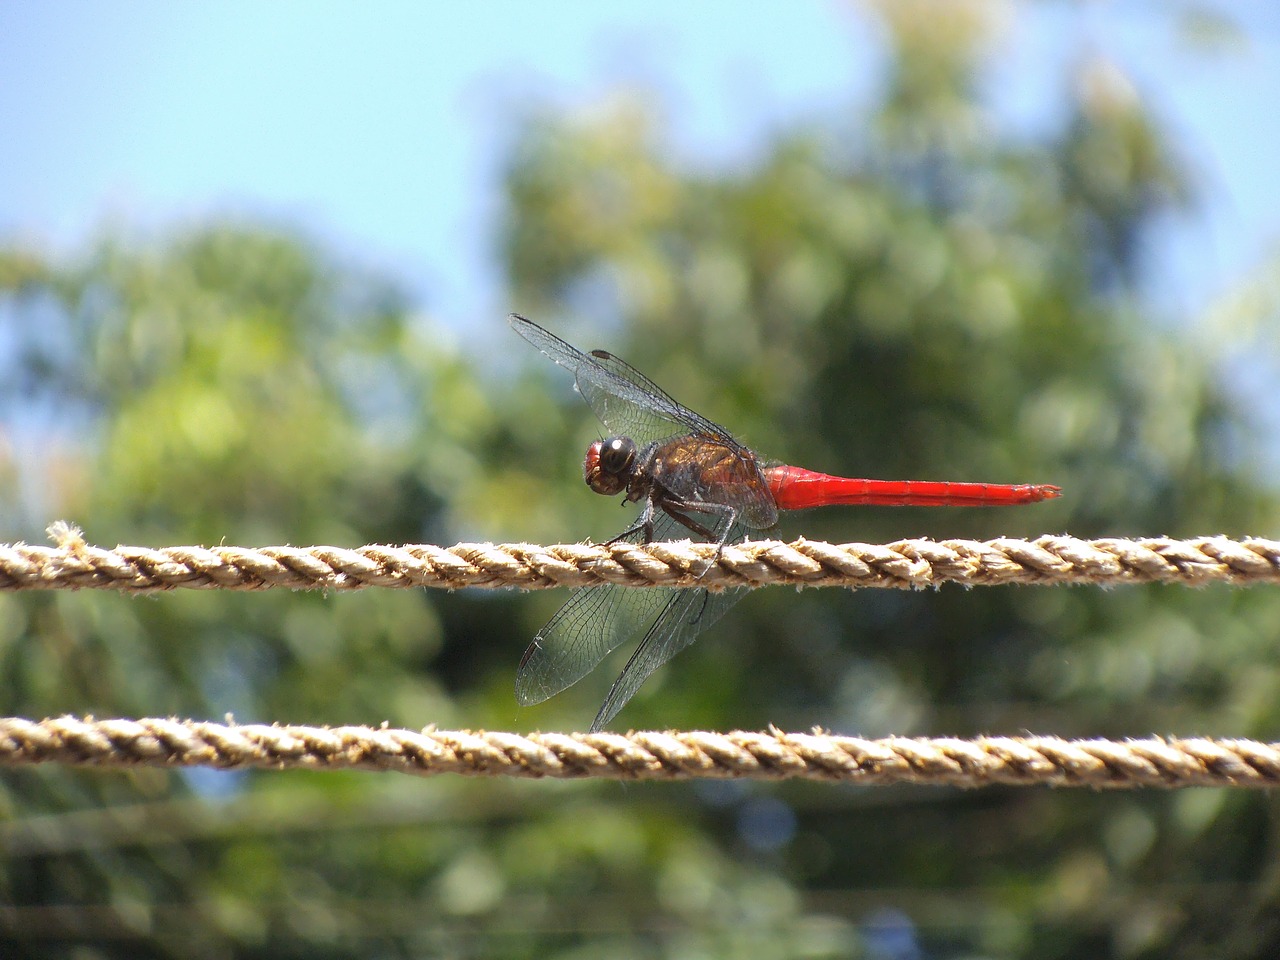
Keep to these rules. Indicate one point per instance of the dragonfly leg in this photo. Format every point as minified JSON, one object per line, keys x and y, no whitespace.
{"x":691,"y":523}
{"x":727,"y":514}
{"x":675,"y":506}
{"x":645,"y":524}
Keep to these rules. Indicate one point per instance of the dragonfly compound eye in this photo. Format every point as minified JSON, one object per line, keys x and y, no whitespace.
{"x":608,"y":463}
{"x":616,"y":455}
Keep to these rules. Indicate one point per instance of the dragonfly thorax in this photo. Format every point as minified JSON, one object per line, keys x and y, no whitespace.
{"x":608,"y":465}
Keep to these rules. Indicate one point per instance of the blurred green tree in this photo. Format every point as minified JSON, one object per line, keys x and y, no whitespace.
{"x":907,"y":291}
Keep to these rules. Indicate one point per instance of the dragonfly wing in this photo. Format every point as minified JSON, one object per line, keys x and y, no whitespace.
{"x":593,"y":622}
{"x":609,"y":372}
{"x":627,"y":402}
{"x":680,"y":623}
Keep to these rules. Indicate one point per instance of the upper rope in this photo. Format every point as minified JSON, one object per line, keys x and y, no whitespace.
{"x":72,"y":564}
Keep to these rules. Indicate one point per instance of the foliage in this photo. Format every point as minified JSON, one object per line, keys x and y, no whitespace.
{"x":905,"y":291}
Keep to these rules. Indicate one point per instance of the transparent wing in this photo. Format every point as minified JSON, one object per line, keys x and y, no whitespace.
{"x":595,"y":621}
{"x":680,"y":623}
{"x":627,"y":402}
{"x":603,"y":386}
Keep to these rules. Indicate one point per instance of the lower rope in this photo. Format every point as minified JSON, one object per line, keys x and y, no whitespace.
{"x":645,"y":755}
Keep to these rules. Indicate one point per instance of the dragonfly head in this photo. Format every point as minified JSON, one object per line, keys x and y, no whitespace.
{"x":607,"y":466}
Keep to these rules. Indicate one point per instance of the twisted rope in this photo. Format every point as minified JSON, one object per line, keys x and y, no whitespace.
{"x":645,"y":755}
{"x":907,"y":564}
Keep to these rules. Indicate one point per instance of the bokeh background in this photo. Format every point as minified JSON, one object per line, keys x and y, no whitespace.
{"x":254,"y":264}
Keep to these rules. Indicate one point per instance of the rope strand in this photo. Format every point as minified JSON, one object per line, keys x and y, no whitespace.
{"x":907,"y":564}
{"x":645,"y":755}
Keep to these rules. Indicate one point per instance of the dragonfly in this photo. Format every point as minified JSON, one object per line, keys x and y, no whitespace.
{"x":689,"y":476}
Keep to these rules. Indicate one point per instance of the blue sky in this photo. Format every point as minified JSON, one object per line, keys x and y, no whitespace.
{"x":380,"y":126}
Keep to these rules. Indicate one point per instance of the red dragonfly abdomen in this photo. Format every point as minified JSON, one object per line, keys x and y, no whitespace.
{"x":795,"y":488}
